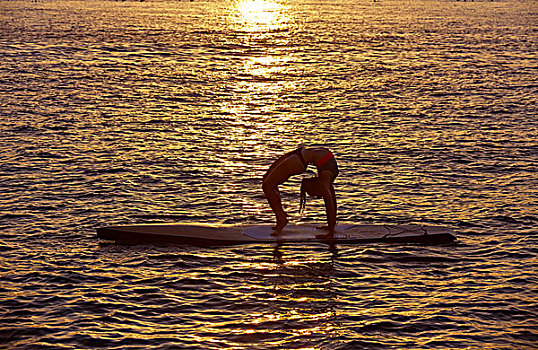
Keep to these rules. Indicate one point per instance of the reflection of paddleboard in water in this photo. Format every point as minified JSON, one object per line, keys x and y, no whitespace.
{"x":207,"y":235}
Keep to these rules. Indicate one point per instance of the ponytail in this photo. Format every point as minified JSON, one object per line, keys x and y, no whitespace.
{"x":302,"y":204}
{"x":311,"y":186}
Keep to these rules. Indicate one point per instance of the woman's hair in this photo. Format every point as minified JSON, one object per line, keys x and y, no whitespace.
{"x":311,"y":186}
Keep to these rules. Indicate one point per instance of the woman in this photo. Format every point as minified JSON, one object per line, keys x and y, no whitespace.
{"x":295,"y":163}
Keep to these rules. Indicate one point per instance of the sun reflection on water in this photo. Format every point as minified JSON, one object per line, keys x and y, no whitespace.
{"x":292,"y":284}
{"x":258,"y":15}
{"x":257,"y":114}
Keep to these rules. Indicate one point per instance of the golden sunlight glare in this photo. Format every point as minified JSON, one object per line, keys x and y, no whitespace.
{"x":260,"y":14}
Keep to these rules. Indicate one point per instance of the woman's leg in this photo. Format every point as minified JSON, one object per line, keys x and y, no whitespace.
{"x":287,"y":167}
{"x":273,"y":197}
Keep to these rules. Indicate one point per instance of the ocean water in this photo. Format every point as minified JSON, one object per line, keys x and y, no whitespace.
{"x":134,"y":112}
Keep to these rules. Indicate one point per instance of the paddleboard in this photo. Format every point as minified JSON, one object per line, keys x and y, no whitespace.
{"x":214,"y":235}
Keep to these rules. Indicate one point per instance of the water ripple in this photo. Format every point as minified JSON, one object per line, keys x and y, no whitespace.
{"x":159,"y":111}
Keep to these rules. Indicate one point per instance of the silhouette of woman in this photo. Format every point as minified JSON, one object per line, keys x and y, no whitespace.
{"x":295,"y":163}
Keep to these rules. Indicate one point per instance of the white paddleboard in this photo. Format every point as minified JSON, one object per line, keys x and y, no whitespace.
{"x":209,"y":235}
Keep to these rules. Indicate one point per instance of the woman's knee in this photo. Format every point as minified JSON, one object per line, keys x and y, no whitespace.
{"x":268,"y":187}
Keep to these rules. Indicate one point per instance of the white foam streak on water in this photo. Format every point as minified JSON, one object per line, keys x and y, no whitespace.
{"x":121,"y":112}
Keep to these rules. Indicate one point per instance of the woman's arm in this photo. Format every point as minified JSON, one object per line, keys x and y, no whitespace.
{"x":329,"y":197}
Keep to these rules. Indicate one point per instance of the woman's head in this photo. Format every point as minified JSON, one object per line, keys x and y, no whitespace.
{"x":311,"y":186}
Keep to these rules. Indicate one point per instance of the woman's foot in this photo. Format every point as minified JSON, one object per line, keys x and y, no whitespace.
{"x":280,"y":224}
